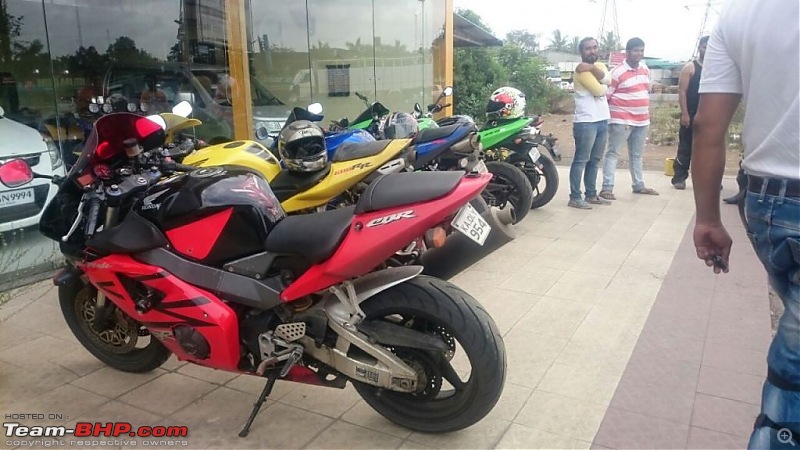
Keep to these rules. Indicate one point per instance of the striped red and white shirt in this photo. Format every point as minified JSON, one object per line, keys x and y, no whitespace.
{"x":629,"y":95}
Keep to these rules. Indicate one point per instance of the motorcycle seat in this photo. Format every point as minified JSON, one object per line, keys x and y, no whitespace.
{"x":315,"y":237}
{"x":431,"y":134}
{"x":397,"y":189}
{"x":289,"y":183}
{"x":357,"y":150}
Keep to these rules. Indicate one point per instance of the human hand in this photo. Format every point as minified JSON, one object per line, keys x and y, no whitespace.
{"x":685,"y":121}
{"x":584,"y":67}
{"x":713,"y":245}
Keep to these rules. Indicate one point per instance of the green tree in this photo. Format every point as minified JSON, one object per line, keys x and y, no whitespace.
{"x":528,"y":42}
{"x":609,"y":42}
{"x":10,"y":28}
{"x":124,"y":50}
{"x":559,"y":42}
{"x":573,"y":45}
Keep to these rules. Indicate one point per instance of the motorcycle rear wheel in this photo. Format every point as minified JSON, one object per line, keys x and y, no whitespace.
{"x":115,"y":346}
{"x":511,"y":179}
{"x":437,"y":307}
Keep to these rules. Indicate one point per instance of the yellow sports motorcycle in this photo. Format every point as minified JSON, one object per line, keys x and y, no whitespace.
{"x":338,"y":182}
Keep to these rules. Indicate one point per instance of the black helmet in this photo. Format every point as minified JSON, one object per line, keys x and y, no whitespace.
{"x":301,"y":146}
{"x":400,"y":125}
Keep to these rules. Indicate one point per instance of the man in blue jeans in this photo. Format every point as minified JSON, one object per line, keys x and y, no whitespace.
{"x":590,"y":125}
{"x":753,"y":41}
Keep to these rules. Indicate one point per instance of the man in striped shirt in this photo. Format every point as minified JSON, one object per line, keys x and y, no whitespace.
{"x":629,"y":104}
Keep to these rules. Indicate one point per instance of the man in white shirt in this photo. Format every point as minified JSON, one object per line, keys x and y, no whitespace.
{"x":590,"y":125}
{"x":755,"y":53}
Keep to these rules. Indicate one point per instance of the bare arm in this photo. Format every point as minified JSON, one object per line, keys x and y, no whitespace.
{"x":683,"y":86}
{"x":714,"y":114}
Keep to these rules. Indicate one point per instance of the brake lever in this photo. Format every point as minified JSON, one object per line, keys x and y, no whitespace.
{"x":77,"y":222}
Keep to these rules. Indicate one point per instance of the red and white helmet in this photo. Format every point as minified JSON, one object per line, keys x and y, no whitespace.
{"x":506,"y":103}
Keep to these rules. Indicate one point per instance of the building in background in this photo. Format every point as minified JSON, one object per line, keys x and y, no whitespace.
{"x":243,"y":64}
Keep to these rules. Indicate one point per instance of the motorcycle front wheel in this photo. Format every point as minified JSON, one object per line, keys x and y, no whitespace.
{"x":461,"y":385}
{"x":122,"y":343}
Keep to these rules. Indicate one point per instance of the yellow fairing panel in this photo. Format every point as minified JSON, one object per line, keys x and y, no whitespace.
{"x":343,"y":175}
{"x":240,"y":153}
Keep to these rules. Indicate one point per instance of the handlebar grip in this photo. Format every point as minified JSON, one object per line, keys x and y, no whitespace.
{"x":184,"y":168}
{"x":94,"y":211}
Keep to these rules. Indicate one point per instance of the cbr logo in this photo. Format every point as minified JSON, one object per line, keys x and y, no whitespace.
{"x":363,"y":165}
{"x":391,"y":218}
{"x":148,"y":204}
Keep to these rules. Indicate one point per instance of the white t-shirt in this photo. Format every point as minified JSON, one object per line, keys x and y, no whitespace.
{"x":755,"y":51}
{"x":589,"y":108}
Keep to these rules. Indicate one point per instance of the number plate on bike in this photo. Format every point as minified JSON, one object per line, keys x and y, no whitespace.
{"x":470,"y":223}
{"x":534,"y":154}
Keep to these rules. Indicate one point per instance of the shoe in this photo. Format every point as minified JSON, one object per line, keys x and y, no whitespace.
{"x":579,"y":203}
{"x":681,"y":185}
{"x":595,"y":200}
{"x":646,"y":191}
{"x":734,"y":199}
{"x":608,"y":195}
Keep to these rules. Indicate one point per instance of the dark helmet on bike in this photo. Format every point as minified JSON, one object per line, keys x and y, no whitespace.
{"x":400,"y":125}
{"x":301,"y":146}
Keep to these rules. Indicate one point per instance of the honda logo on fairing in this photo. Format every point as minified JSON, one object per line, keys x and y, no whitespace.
{"x":147,"y":202}
{"x":391,"y":218}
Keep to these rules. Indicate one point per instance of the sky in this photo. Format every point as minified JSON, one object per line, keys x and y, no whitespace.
{"x":668,"y":28}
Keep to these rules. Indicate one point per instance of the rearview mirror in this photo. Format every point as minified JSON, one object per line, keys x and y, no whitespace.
{"x":315,"y":108}
{"x":15,"y":173}
{"x":447,"y":92}
{"x":182,"y":109}
{"x":158,"y":120}
{"x":417,"y":107}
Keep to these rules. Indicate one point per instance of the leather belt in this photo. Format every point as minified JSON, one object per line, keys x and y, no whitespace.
{"x":754,"y":184}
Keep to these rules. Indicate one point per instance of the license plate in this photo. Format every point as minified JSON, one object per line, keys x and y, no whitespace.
{"x":534,"y":154}
{"x":15,"y":198}
{"x":480,"y":167}
{"x":471,"y":224}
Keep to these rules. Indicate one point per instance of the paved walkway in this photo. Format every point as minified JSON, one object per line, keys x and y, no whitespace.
{"x":616,"y":337}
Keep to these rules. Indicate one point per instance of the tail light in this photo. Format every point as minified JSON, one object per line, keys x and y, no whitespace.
{"x":15,"y":173}
{"x":435,"y":237}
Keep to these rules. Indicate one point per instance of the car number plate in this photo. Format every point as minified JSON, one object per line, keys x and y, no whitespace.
{"x":471,"y":224}
{"x":480,"y":167}
{"x":16,"y":198}
{"x":534,"y":154}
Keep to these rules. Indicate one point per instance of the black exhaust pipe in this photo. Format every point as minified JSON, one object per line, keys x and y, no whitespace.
{"x":460,"y":252}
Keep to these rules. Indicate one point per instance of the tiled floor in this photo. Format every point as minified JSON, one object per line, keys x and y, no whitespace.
{"x":616,"y":336}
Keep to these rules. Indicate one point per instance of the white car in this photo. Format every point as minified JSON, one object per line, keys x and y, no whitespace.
{"x":22,"y":207}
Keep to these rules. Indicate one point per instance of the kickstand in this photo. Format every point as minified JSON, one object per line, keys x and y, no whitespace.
{"x":273,"y":375}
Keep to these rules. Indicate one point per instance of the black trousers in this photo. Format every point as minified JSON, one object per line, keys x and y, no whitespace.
{"x":684,"y":156}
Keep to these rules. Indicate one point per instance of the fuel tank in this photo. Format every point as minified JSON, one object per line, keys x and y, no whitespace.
{"x":214,"y":214}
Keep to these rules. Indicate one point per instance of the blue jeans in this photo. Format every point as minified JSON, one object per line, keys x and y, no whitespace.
{"x":590,"y":143}
{"x":636,"y":138}
{"x":773,"y":224}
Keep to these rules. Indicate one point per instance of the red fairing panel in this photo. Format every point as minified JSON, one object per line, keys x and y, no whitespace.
{"x":196,"y":239}
{"x":376,"y":236}
{"x":183,"y":304}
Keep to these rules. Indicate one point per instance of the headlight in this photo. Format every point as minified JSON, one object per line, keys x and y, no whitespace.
{"x":132,"y":107}
{"x":144,"y":107}
{"x":107,"y":108}
{"x":55,"y":153}
{"x":93,"y":108}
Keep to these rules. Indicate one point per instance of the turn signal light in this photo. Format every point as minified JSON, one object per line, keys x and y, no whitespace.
{"x":435,"y":237}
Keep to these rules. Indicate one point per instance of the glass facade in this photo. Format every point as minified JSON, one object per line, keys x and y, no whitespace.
{"x":241,"y":63}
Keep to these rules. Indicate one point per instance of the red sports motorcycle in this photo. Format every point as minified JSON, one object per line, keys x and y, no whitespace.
{"x":204,"y":263}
